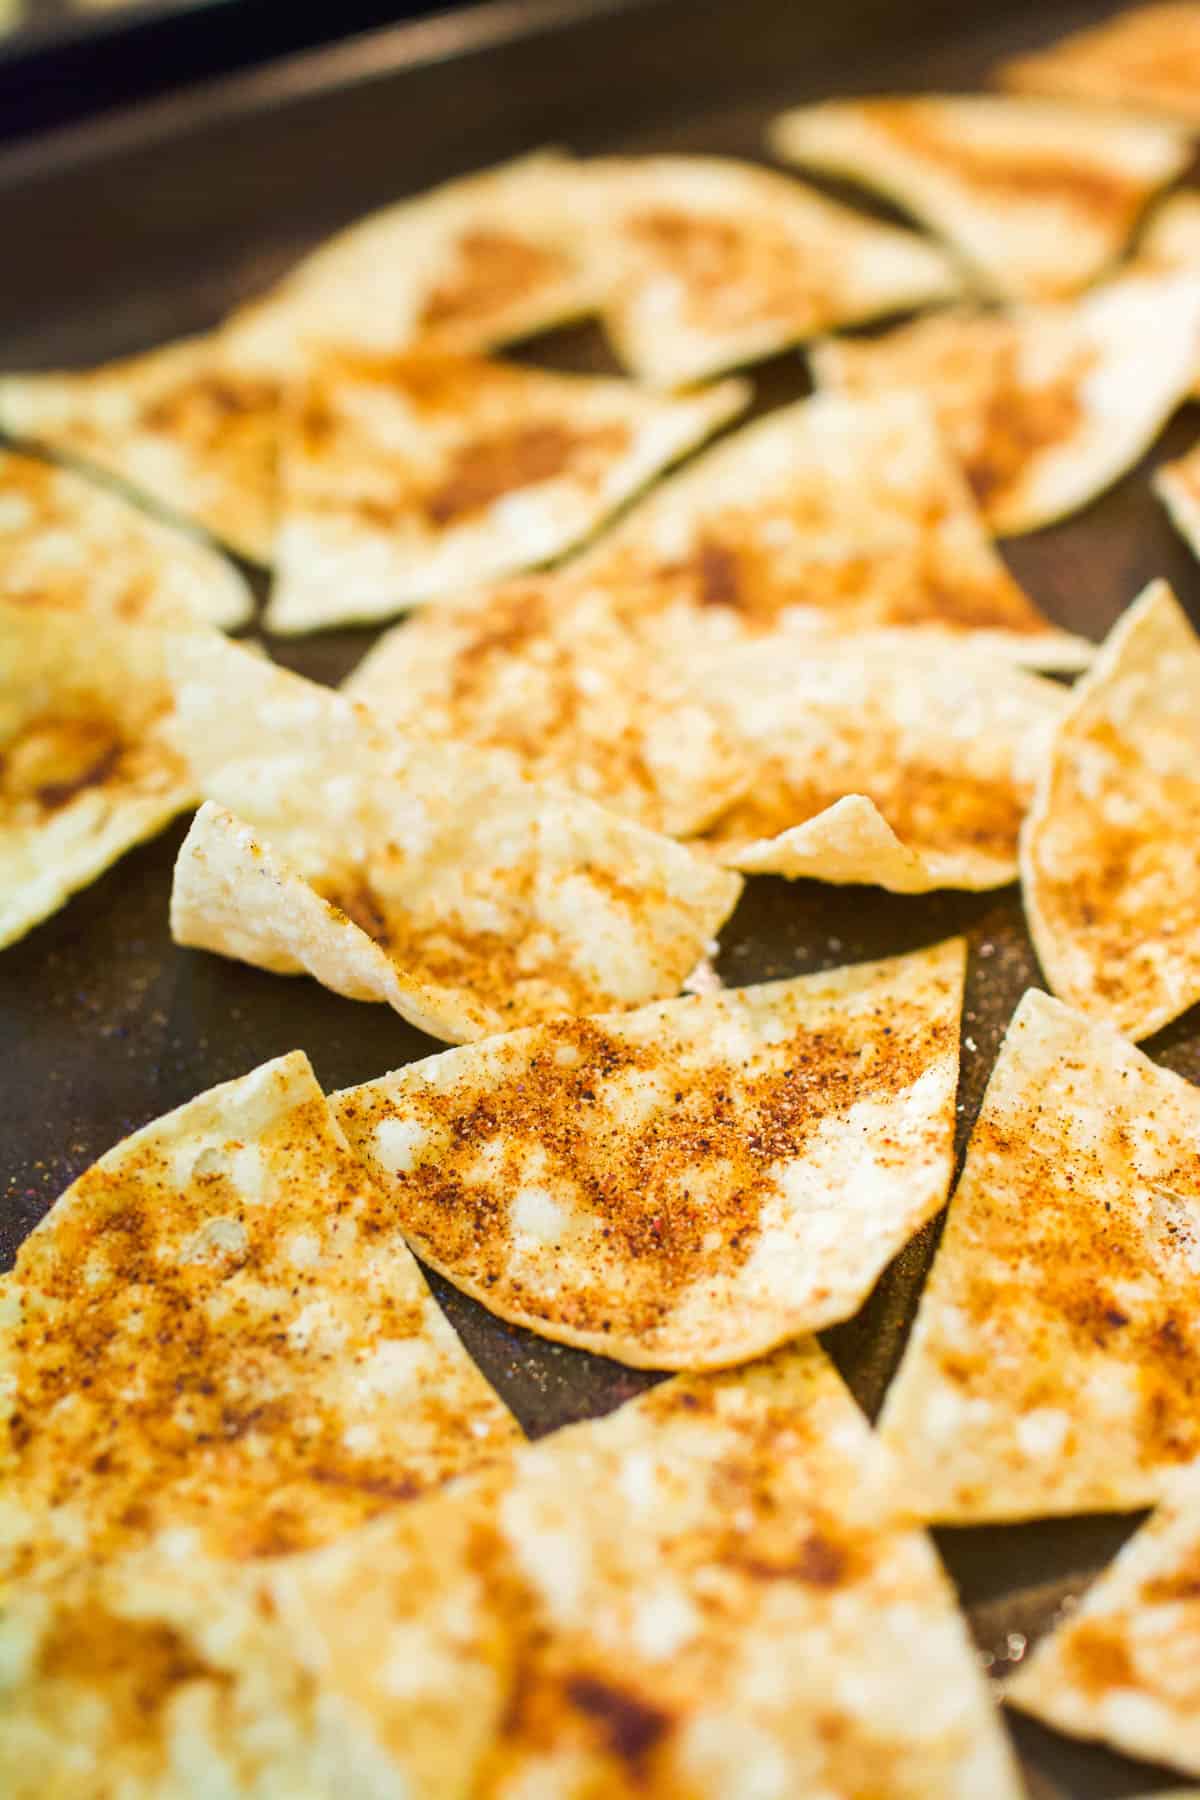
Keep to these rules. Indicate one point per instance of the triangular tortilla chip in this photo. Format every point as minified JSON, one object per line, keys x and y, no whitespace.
{"x":1044,"y":406}
{"x":178,"y":426}
{"x":71,"y":545}
{"x":829,"y":517}
{"x":1122,"y":1666}
{"x":1146,"y":59}
{"x":500,"y":901}
{"x":711,"y":1592}
{"x":1177,"y":485}
{"x":711,"y":263}
{"x":1038,"y":196}
{"x":688,"y":1185}
{"x":468,"y":266}
{"x":1055,"y":1359}
{"x":218,"y":1340}
{"x":88,"y":763}
{"x":899,"y":764}
{"x":1109,"y":868}
{"x":409,"y":477}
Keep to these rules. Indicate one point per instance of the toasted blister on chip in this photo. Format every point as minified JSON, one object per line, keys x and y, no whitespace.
{"x":1109,"y":871}
{"x":1146,"y":59}
{"x":408,"y":477}
{"x":547,"y":671}
{"x":828,"y":518}
{"x":1038,"y":196}
{"x":1056,"y":1351}
{"x":88,"y":762}
{"x":476,"y":263}
{"x":711,"y":263}
{"x":1124,"y":1666}
{"x":71,"y":545}
{"x":710,"y":1592}
{"x":1045,"y":406}
{"x":217,"y":1341}
{"x":903,"y":765}
{"x":177,"y":426}
{"x":691,"y":1184}
{"x":498,"y":899}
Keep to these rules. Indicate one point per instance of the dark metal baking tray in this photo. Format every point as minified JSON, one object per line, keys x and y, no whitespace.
{"x":147,"y":225}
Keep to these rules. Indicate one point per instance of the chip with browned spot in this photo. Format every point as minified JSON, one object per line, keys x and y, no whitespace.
{"x":1109,"y":870}
{"x":1055,"y":1361}
{"x":1038,"y":196}
{"x":1045,"y":406}
{"x":1146,"y":58}
{"x":88,"y":762}
{"x":492,"y":900}
{"x":177,"y":426}
{"x":409,"y":477}
{"x":688,"y":1185}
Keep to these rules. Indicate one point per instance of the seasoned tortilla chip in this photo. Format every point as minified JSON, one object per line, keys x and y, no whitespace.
{"x":500,"y":901}
{"x":88,"y":763}
{"x":178,"y":426}
{"x":711,"y":263}
{"x":1038,"y":196}
{"x":1044,"y":406}
{"x":408,"y":477}
{"x":829,"y":517}
{"x":711,"y":1592}
{"x":468,"y":266}
{"x":70,"y":545}
{"x":217,"y":1340}
{"x":1055,"y":1358}
{"x":1177,"y":485}
{"x":688,"y":1185}
{"x":1109,"y":869}
{"x":1146,"y":59}
{"x":1124,"y":1666}
{"x":902,"y":765}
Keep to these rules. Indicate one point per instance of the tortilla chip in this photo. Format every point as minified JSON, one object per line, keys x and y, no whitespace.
{"x":905,"y":766}
{"x":1122,"y":1667}
{"x":711,"y":1592}
{"x":217,"y":1340}
{"x":499,"y":901}
{"x":177,"y":426}
{"x":1108,"y":855}
{"x":828,"y":518}
{"x":1147,"y":59}
{"x":712,"y":263}
{"x":409,"y":477}
{"x":70,"y":545}
{"x":88,"y":763}
{"x":468,"y":266}
{"x":1056,"y":1353}
{"x":688,"y":1185}
{"x":1045,"y":406}
{"x":1177,"y":485}
{"x":1038,"y":196}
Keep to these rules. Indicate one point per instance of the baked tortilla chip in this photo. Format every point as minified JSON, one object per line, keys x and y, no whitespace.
{"x":70,"y":545}
{"x":88,"y":762}
{"x":1055,"y":1358}
{"x":1045,"y":407}
{"x":711,"y":1592}
{"x":468,"y":266}
{"x":218,"y":1340}
{"x":408,"y":477}
{"x":1146,"y":59}
{"x":905,"y":766}
{"x":1108,"y":855}
{"x":498,"y":900}
{"x":713,"y":263}
{"x":828,"y":518}
{"x":177,"y":426}
{"x":1037,"y":196}
{"x":1177,"y":485}
{"x":688,"y":1185}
